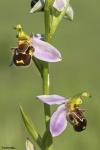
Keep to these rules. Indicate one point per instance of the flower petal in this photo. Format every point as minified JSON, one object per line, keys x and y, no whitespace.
{"x":59,"y":4}
{"x":58,"y":121}
{"x":38,"y":6}
{"x":44,"y":51}
{"x":52,"y":99}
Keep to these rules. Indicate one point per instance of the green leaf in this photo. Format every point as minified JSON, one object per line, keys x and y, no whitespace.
{"x":31,"y":129}
{"x":47,"y":139}
{"x":39,"y":64}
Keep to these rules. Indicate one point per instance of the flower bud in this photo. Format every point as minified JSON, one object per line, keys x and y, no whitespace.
{"x":37,"y":5}
{"x":69,"y":14}
{"x":29,"y":145}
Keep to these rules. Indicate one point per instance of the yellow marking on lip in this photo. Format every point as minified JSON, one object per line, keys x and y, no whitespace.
{"x":21,"y":53}
{"x":75,"y":122}
{"x":31,"y":52}
{"x":19,"y":61}
{"x":84,"y":127}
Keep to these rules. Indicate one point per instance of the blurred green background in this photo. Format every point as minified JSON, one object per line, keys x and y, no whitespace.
{"x":79,"y":43}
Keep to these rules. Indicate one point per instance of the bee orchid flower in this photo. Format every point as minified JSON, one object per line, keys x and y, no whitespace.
{"x":68,"y":111}
{"x":29,"y":46}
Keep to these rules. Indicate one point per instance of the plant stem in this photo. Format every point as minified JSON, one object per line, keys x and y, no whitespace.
{"x":46,"y":92}
{"x":46,"y":65}
{"x":46,"y":81}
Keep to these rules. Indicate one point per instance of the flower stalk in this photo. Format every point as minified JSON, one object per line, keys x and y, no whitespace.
{"x":46,"y":64}
{"x":46,"y":79}
{"x":46,"y":91}
{"x":47,"y":21}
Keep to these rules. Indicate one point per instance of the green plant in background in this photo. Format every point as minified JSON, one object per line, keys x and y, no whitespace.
{"x":39,"y":49}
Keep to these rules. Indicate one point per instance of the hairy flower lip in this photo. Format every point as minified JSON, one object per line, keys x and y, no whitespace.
{"x":77,"y":119}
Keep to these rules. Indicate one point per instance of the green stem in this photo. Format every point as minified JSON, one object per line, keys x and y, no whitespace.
{"x":46,"y":65}
{"x":46,"y":91}
{"x":46,"y":81}
{"x":47,"y":23}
